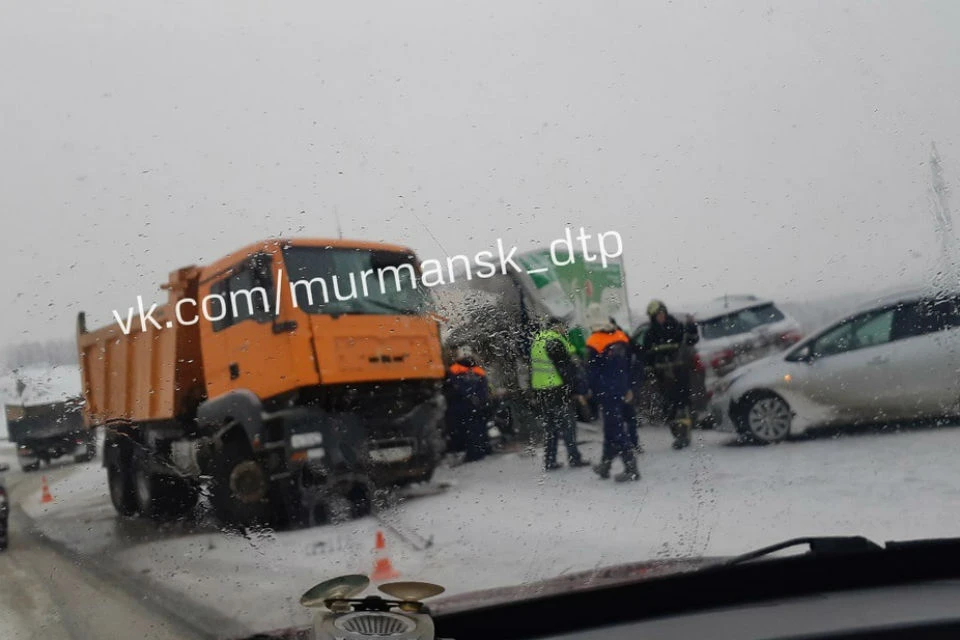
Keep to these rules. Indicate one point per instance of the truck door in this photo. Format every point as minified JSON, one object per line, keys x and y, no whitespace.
{"x":255,"y":355}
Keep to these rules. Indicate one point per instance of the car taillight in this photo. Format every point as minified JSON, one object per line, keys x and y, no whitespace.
{"x":791,"y":337}
{"x":698,"y":363}
{"x":722,"y":359}
{"x":3,"y":497}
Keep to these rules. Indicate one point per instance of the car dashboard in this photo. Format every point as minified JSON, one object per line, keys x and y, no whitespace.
{"x":914,"y":611}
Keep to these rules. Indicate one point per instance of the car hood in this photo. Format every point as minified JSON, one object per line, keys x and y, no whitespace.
{"x":759,"y":370}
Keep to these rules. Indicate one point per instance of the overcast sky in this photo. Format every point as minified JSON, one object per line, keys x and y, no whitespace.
{"x":778,"y":148}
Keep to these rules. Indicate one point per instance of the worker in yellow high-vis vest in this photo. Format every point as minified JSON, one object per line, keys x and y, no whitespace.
{"x":556,"y":379}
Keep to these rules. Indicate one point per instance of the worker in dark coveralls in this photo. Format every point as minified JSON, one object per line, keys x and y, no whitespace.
{"x":608,"y":368}
{"x":468,"y":408}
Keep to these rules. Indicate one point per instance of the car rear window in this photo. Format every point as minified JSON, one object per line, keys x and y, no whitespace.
{"x":740,"y":321}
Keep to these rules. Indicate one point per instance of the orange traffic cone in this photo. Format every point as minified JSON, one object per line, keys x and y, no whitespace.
{"x":382,"y":567}
{"x":45,"y":496}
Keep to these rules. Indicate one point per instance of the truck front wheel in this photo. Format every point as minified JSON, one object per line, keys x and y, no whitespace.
{"x":241,"y":488}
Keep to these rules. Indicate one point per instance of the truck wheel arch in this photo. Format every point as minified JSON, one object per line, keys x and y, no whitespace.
{"x":238,"y":408}
{"x":118,"y":445}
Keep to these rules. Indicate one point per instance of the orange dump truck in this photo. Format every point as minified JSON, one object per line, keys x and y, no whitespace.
{"x":287,"y":375}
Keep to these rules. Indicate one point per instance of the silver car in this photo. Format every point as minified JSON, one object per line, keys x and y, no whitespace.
{"x":896,"y":360}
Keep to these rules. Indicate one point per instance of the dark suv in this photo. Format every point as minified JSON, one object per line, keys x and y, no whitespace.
{"x":4,"y":508}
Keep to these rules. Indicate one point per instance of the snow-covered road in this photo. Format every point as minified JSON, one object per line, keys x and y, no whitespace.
{"x":44,"y":595}
{"x":504,"y":522}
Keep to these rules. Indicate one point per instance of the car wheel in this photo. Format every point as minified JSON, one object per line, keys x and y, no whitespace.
{"x":767,"y":418}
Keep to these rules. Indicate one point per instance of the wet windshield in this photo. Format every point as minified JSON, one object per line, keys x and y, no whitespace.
{"x":479,"y":294}
{"x":332,"y":281}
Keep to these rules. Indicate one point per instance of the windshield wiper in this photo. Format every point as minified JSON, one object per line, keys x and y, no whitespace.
{"x":359,"y":310}
{"x":819,"y":545}
{"x":387,"y":306}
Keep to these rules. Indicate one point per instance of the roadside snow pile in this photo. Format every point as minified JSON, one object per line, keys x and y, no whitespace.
{"x":41,"y":384}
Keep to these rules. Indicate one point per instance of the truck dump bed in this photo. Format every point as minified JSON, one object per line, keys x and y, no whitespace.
{"x":143,"y":376}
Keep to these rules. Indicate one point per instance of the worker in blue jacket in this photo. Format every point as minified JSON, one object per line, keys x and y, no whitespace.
{"x":608,"y":369}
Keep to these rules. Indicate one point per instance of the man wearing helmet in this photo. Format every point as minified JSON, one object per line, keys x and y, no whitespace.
{"x":663,"y":349}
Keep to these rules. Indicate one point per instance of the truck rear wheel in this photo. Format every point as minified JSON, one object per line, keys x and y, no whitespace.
{"x":241,"y":488}
{"x":120,"y":481}
{"x":145,"y":491}
{"x":162,"y":496}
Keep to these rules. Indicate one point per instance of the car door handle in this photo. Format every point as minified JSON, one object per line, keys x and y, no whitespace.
{"x":879,"y":360}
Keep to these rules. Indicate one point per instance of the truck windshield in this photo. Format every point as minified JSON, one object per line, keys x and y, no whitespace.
{"x":327,"y":280}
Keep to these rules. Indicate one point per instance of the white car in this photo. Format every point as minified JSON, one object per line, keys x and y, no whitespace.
{"x":895,"y":361}
{"x":736,"y":330}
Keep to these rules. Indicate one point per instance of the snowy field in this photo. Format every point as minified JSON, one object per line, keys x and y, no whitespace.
{"x":504,"y":522}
